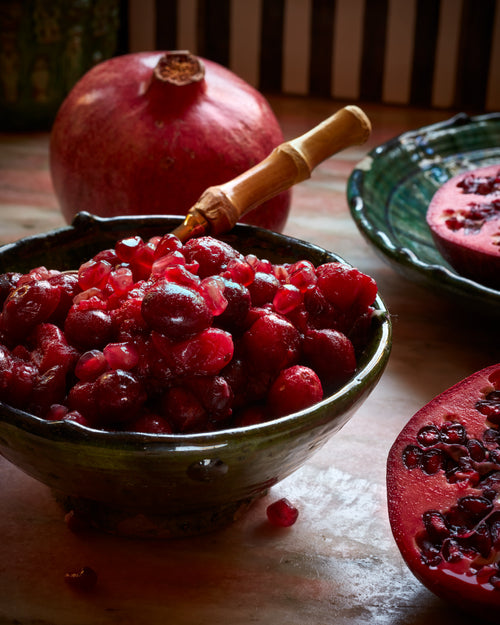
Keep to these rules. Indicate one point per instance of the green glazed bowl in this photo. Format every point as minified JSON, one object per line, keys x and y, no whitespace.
{"x":172,"y":485}
{"x":390,"y":190}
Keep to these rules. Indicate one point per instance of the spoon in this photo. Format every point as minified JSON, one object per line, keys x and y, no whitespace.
{"x":220,"y":207}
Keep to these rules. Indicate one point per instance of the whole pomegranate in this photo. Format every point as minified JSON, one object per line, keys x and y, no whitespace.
{"x":464,"y":219}
{"x":443,"y":487}
{"x":147,"y":133}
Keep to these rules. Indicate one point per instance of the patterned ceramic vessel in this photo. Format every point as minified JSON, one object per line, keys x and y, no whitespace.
{"x":45,"y":47}
{"x":173,"y":485}
{"x":390,"y":190}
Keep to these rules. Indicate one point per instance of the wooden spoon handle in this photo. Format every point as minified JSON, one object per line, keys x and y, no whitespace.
{"x":220,"y":207}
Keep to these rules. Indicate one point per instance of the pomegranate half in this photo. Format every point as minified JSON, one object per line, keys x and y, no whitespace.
{"x":148,"y":132}
{"x":464,"y":219}
{"x":443,"y":487}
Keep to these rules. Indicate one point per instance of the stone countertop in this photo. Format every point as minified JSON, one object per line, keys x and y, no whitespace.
{"x":338,"y":564}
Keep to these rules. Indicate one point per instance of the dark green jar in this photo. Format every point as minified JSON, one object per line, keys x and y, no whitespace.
{"x":45,"y":47}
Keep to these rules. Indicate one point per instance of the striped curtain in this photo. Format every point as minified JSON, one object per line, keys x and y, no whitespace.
{"x":426,"y":53}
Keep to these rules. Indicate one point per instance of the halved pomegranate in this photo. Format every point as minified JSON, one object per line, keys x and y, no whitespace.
{"x":443,"y":486}
{"x":464,"y":219}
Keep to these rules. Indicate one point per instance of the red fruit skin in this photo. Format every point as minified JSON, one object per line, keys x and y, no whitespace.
{"x":476,"y":256}
{"x":124,"y":143}
{"x":411,"y":492}
{"x":295,"y":388}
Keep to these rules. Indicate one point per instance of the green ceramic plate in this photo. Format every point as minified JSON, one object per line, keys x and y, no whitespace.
{"x":390,"y":190}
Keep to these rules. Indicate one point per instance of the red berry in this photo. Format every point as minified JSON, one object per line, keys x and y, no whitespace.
{"x":88,"y":329}
{"x":90,"y":365}
{"x":119,"y":396}
{"x":272,"y":342}
{"x":26,"y":306}
{"x":331,"y":354}
{"x":206,"y":353}
{"x":295,"y":388}
{"x":263,"y":288}
{"x":176,"y":311}
{"x":282,"y":513}
{"x":346,"y":287}
{"x":212,"y":255}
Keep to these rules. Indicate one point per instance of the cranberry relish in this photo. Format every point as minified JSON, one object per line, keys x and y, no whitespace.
{"x":156,"y":336}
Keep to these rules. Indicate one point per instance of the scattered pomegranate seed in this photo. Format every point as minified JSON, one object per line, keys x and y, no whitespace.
{"x":282,"y":513}
{"x":85,"y":579}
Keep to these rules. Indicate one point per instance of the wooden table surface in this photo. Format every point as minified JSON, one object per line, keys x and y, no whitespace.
{"x":338,"y":564}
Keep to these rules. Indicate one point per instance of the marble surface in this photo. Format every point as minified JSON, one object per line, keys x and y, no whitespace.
{"x":338,"y":564}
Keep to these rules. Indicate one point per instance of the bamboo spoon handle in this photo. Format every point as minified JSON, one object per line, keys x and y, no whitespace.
{"x":220,"y":207}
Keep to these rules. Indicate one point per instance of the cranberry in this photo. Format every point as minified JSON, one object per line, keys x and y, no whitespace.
{"x":272,"y":342}
{"x":215,"y":394}
{"x":27,"y":306}
{"x":263,"y":288}
{"x":119,"y":396}
{"x":176,"y":311}
{"x":90,"y":365}
{"x":282,"y":513}
{"x":151,"y":423}
{"x":184,"y":410}
{"x":238,"y":301}
{"x":52,"y":348}
{"x":346,"y":287}
{"x":88,"y":328}
{"x":212,"y":255}
{"x":206,"y":353}
{"x":295,"y":388}
{"x":331,"y":354}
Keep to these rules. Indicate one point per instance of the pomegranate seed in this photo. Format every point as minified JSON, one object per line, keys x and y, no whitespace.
{"x":282,"y":513}
{"x":429,"y":435}
{"x":94,"y":274}
{"x":121,"y":355}
{"x":126,"y":248}
{"x":212,"y":290}
{"x":287,"y":298}
{"x":412,"y":456}
{"x":453,"y":433}
{"x":168,"y":243}
{"x":161,"y":265}
{"x":302,"y":275}
{"x":85,"y":579}
{"x":120,"y":281}
{"x":90,"y":365}
{"x":240,"y":271}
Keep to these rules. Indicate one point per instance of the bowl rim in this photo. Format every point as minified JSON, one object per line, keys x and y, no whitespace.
{"x":374,"y":359}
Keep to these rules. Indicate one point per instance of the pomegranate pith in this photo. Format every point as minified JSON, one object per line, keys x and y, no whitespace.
{"x":443,"y":488}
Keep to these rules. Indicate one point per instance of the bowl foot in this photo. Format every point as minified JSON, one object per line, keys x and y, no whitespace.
{"x":139,"y":524}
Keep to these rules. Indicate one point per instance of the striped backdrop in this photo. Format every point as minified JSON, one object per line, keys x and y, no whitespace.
{"x":430,"y":53}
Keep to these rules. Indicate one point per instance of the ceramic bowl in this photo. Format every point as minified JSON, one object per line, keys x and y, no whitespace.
{"x":172,"y":485}
{"x":390,"y":190}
